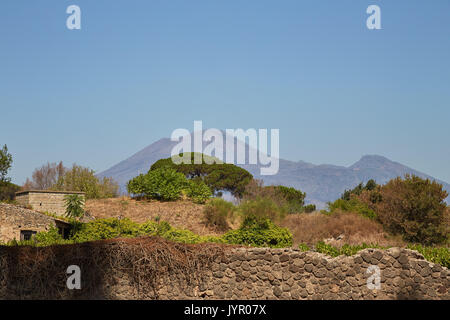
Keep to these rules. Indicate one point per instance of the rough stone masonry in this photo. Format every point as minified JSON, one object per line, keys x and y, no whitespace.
{"x":233,"y":273}
{"x":292,"y":274}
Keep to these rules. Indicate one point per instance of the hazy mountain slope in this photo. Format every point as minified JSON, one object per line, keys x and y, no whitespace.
{"x":322,"y":183}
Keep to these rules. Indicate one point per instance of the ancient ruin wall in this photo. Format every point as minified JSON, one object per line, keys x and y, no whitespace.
{"x":14,"y":219}
{"x":45,"y":201}
{"x":242,"y":273}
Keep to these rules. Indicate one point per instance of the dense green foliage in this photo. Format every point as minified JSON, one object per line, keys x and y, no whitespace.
{"x":166,"y":184}
{"x":370,"y":185}
{"x":288,"y":198}
{"x":265,"y":234}
{"x":198,"y":191}
{"x":440,"y":255}
{"x":74,"y":205}
{"x":295,"y":199}
{"x":102,"y":229}
{"x":217,"y":176}
{"x":414,"y":208}
{"x":309,"y":208}
{"x":352,"y":205}
{"x":257,"y":212}
{"x":8,"y":191}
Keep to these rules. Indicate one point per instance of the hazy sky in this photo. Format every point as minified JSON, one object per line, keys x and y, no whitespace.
{"x":137,"y":70}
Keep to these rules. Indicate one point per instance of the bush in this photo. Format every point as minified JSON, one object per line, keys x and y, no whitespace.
{"x":256,"y":213}
{"x":309,"y":208}
{"x":352,"y":205}
{"x":198,"y":191}
{"x":434,"y":254}
{"x":105,"y":229}
{"x":414,"y":208}
{"x":295,"y":198}
{"x":290,"y":199}
{"x":269,"y":236}
{"x":218,"y":212}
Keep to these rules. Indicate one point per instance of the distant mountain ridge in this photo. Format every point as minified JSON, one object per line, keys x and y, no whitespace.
{"x":322,"y":183}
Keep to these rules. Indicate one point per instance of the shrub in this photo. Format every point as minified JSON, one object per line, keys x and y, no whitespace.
{"x":414,"y":208}
{"x":256,"y":213}
{"x":434,"y":254}
{"x":105,"y":229}
{"x":290,"y":199}
{"x":309,"y":208}
{"x":198,"y":191}
{"x":352,"y":205}
{"x":295,"y":198}
{"x":268,"y":236}
{"x":370,"y":185}
{"x":218,"y":212}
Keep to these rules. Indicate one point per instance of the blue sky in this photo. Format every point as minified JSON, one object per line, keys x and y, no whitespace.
{"x":137,"y":70}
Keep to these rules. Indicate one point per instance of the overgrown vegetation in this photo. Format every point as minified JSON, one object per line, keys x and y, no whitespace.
{"x":411,"y":207}
{"x":218,"y":213}
{"x":289,"y":199}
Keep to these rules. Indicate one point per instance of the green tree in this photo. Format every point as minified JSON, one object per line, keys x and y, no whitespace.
{"x":162,"y":184}
{"x":217,"y":176}
{"x":83,"y":179}
{"x":5,"y":164}
{"x":74,"y":205}
{"x":413,"y":207}
{"x":370,"y":186}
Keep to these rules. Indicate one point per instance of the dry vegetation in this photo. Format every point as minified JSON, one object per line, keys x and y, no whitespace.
{"x":355,"y":229}
{"x":40,"y":273}
{"x":183,"y":214}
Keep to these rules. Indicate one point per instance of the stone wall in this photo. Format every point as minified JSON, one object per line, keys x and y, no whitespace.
{"x":292,"y":274}
{"x":45,"y":201}
{"x":232,"y":273}
{"x":14,"y":219}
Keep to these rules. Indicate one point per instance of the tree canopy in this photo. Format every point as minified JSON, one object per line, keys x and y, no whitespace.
{"x":217,"y":176}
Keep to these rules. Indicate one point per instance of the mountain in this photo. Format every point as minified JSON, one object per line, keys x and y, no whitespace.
{"x":322,"y":183}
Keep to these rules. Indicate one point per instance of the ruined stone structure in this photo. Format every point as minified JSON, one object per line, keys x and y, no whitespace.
{"x":233,"y":273}
{"x":21,"y":224}
{"x":45,"y":201}
{"x":290,"y":274}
